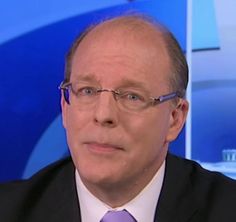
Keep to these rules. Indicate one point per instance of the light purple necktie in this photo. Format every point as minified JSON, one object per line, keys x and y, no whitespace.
{"x":118,"y":216}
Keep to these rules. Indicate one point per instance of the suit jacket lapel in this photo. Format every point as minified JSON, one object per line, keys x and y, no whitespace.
{"x":177,"y":200}
{"x":64,"y":201}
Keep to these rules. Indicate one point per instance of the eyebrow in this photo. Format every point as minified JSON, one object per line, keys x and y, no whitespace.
{"x":86,"y":77}
{"x":126,"y":83}
{"x":134,"y":84}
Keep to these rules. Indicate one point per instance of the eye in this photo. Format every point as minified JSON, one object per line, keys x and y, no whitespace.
{"x":87,"y":91}
{"x":133,"y":97}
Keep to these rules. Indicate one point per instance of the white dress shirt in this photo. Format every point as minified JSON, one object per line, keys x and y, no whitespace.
{"x":142,"y":207}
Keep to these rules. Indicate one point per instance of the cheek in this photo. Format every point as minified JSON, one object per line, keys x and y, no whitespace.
{"x":149,"y":131}
{"x":75,"y":119}
{"x":75,"y":122}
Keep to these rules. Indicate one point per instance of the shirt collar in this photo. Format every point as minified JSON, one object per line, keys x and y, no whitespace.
{"x":92,"y":209}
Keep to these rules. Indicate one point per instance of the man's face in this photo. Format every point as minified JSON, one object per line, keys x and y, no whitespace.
{"x":112,"y":146}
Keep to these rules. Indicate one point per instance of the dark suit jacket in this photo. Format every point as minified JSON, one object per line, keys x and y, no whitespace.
{"x":189,"y":193}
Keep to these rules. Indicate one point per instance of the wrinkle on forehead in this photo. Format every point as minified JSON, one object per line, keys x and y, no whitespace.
{"x":114,"y":39}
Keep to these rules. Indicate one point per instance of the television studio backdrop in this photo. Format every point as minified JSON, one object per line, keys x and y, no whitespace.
{"x":34,"y":37}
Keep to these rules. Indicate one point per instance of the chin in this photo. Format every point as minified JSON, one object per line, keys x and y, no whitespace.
{"x":98,"y":177}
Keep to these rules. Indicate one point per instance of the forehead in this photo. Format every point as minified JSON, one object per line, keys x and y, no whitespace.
{"x":113,"y":51}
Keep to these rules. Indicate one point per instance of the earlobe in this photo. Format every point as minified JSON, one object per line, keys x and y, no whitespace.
{"x":177,"y":120}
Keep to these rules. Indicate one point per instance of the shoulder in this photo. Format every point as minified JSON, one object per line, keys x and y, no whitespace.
{"x":213,"y":192}
{"x":53,"y":170}
{"x":197,"y":174}
{"x":38,"y":192}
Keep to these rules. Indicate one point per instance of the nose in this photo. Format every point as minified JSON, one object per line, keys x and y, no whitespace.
{"x":106,"y":113}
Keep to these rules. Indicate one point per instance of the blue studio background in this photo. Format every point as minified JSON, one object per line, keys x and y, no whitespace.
{"x":34,"y":37}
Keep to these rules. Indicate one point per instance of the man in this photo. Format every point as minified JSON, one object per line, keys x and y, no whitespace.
{"x":122,"y":104}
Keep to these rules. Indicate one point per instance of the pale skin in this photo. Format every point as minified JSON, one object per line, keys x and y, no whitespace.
{"x":116,"y":151}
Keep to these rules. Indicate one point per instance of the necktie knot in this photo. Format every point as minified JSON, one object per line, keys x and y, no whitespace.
{"x":118,"y":216}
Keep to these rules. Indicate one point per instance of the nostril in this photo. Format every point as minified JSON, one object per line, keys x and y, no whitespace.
{"x":104,"y":122}
{"x":110,"y":122}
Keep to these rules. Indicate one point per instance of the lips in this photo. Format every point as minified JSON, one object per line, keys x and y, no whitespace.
{"x":102,"y":147}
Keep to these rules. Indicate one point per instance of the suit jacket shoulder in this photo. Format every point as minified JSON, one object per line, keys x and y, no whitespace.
{"x":191,"y":193}
{"x":50,"y":195}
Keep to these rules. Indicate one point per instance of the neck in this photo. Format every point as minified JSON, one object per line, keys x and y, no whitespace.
{"x":119,"y":194}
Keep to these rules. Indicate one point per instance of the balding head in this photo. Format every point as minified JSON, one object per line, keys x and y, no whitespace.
{"x":147,"y":32}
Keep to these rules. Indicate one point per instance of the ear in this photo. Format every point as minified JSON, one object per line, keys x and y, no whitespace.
{"x":63,"y":110}
{"x":177,"y":120}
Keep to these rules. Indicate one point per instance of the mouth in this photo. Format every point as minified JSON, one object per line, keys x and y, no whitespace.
{"x":102,"y":147}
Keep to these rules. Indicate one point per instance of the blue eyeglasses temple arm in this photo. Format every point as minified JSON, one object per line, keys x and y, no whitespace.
{"x":66,"y":96}
{"x":167,"y":97}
